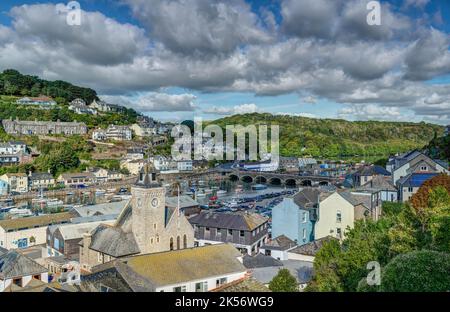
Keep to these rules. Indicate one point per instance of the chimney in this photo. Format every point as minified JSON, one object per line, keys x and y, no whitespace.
{"x":87,"y":239}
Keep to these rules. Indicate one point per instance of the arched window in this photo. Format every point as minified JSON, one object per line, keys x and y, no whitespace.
{"x":184,"y":241}
{"x":171,"y":243}
{"x":178,"y":242}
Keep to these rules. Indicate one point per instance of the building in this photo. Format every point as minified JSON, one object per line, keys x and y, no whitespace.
{"x":106,"y":209}
{"x":263,"y":166}
{"x":135,"y":153}
{"x":77,"y":179}
{"x":289,"y":164}
{"x":447,"y":131}
{"x":104,"y":107}
{"x":278,"y":247}
{"x":25,"y":232}
{"x":367,"y":205}
{"x":18,"y":272}
{"x":41,"y":180}
{"x":409,"y":185}
{"x":143,"y":131}
{"x":118,"y":133}
{"x":366,"y":173}
{"x":184,"y":165}
{"x":246,"y":231}
{"x":79,"y":106}
{"x":187,"y":205}
{"x":163,"y":163}
{"x":307,"y":252}
{"x":133,"y":166}
{"x":17,"y":127}
{"x":414,"y":162}
{"x":158,"y":140}
{"x":145,"y":225}
{"x":43,"y":101}
{"x":99,"y":135}
{"x":264,"y":268}
{"x":13,"y":147}
{"x":3,"y":188}
{"x":306,"y":163}
{"x":312,"y":214}
{"x":383,"y":185}
{"x":10,"y":159}
{"x":63,"y":240}
{"x":199,"y":269}
{"x":17,"y":182}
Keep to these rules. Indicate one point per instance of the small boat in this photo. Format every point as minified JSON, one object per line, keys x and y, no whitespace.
{"x":6,"y":208}
{"x":21,"y":212}
{"x":100,"y":192}
{"x":259,"y":187}
{"x":213,"y":198}
{"x":208,"y":191}
{"x":221,"y":193}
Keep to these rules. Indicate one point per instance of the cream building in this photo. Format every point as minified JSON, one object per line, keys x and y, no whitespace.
{"x":144,"y":226}
{"x":335,"y":214}
{"x":17,"y":182}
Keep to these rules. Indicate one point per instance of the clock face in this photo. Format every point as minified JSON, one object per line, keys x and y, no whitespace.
{"x":155,"y":202}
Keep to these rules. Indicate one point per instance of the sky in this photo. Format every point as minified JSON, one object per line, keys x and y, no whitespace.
{"x":179,"y":59}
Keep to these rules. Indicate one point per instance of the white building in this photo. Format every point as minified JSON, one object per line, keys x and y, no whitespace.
{"x":18,"y":272}
{"x":184,"y":165}
{"x":99,"y":135}
{"x":119,"y":133}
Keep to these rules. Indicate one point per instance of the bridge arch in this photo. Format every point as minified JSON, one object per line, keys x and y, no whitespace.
{"x":290,"y":182}
{"x":247,"y":179}
{"x":306,"y":183}
{"x":275,"y":181}
{"x":260,"y":180}
{"x":233,"y":178}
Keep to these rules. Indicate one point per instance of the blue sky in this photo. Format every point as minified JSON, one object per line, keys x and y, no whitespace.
{"x":215,"y":58}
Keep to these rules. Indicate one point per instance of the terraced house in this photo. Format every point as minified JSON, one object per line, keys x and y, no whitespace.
{"x":25,"y":127}
{"x":246,"y":231}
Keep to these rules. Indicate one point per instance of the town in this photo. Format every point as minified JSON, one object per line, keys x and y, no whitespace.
{"x":238,"y":224}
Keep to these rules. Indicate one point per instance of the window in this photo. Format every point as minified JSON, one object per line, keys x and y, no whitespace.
{"x":338,"y":233}
{"x":221,"y":281}
{"x":241,"y":233}
{"x":305,"y":217}
{"x":171,"y":243}
{"x":178,"y":242}
{"x":230,"y":232}
{"x":154,"y":226}
{"x":201,"y":287}
{"x":339,"y":216}
{"x":179,"y":289}
{"x":99,"y":257}
{"x":207,"y":229}
{"x":304,"y":233}
{"x":184,"y":241}
{"x":424,"y":168}
{"x":410,"y":189}
{"x":219,"y":232}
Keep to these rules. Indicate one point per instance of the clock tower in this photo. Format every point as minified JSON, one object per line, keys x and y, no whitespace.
{"x":148,"y":211}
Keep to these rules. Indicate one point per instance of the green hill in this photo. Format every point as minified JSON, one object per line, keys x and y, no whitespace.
{"x":14,"y":83}
{"x":340,"y":139}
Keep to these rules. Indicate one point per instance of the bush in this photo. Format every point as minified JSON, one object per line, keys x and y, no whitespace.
{"x":283,"y":282}
{"x":425,"y":271}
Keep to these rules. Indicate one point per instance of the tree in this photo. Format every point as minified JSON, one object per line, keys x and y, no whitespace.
{"x":283,"y":282}
{"x":32,"y":240}
{"x":417,"y":271}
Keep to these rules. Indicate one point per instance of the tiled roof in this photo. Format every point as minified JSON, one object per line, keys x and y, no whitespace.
{"x":357,"y":199}
{"x":236,"y":221}
{"x":101,"y":209}
{"x":13,"y":264}
{"x":380,"y":183}
{"x":40,"y":221}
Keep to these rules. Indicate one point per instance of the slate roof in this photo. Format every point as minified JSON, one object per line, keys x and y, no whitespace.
{"x":75,"y":231}
{"x":39,"y":221}
{"x":3,"y":250}
{"x":174,"y":267}
{"x":247,"y":284}
{"x":372,"y":170}
{"x":260,"y":261}
{"x":185,"y":201}
{"x":301,"y":270}
{"x":415,"y":179}
{"x":311,"y":249}
{"x":236,"y":221}
{"x":113,"y":241}
{"x":113,"y":208}
{"x":13,"y":264}
{"x":378,"y":183}
{"x":309,"y":197}
{"x":281,"y":242}
{"x":357,"y":199}
{"x":40,"y":176}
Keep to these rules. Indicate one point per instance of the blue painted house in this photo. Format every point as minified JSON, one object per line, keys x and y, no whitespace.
{"x":3,"y":188}
{"x":294,"y":217}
